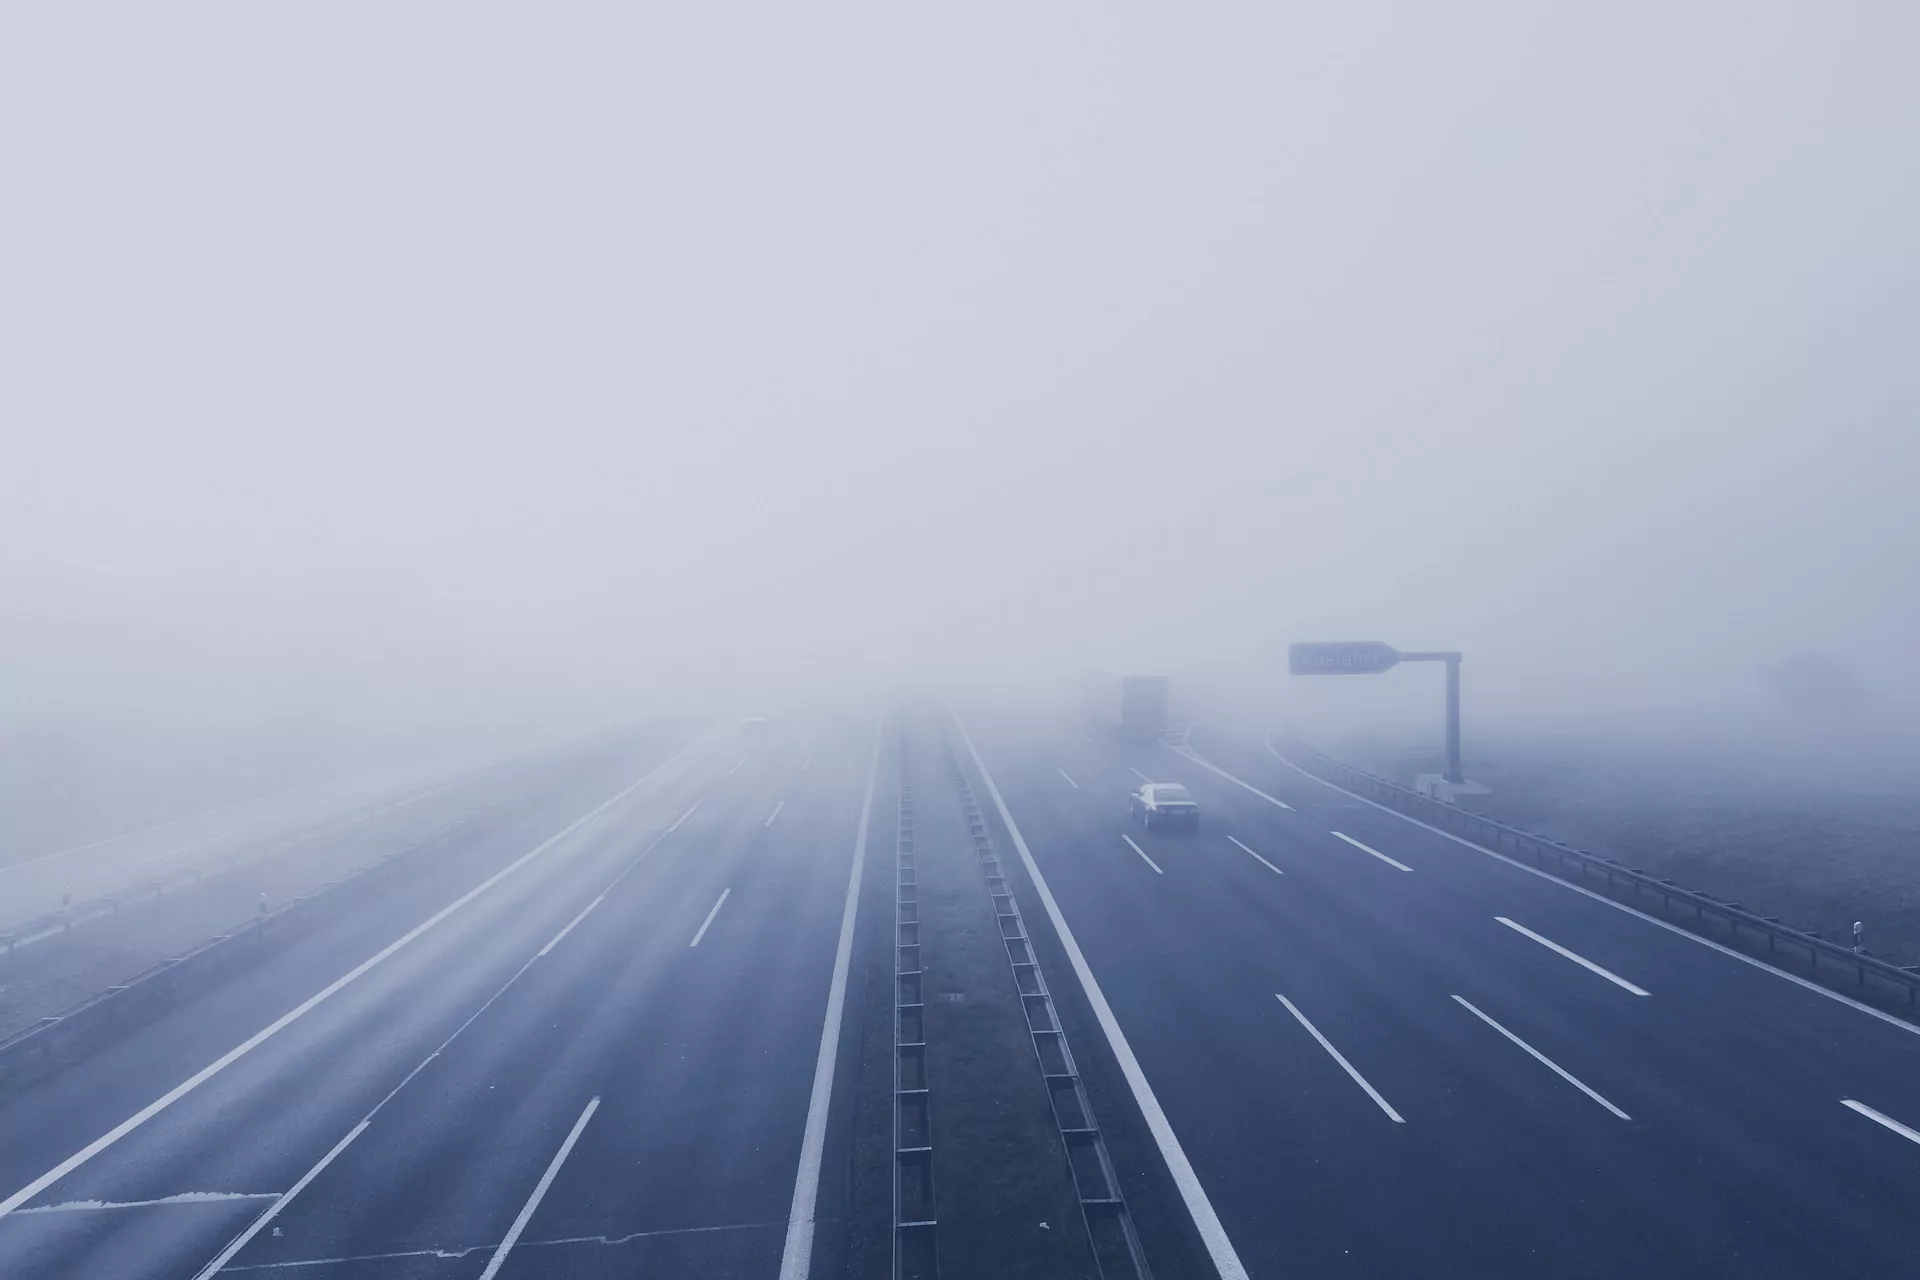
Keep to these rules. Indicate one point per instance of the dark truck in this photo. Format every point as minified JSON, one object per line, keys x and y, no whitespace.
{"x":1127,"y":706}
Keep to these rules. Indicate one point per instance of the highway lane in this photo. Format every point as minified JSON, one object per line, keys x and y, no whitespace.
{"x":1737,"y":1154}
{"x":700,"y":1057}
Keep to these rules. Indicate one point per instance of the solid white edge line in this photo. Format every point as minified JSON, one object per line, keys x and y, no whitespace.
{"x":1212,"y":1234}
{"x":1341,"y":835}
{"x":1189,"y":753}
{"x":285,"y":1020}
{"x":1578,"y":959}
{"x":1583,"y":891}
{"x":569,"y":929}
{"x":1142,"y":852}
{"x":776,"y":813}
{"x":1911,"y":1135}
{"x":539,"y":1193}
{"x":1069,"y":777}
{"x":1549,"y":1063}
{"x":1257,"y":858}
{"x":796,"y":1256}
{"x":1344,"y":1064}
{"x":710,"y":915}
{"x":1143,"y":777}
{"x":239,"y":1242}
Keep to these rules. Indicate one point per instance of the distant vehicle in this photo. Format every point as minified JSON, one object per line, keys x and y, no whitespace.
{"x":1165,"y":806}
{"x":1128,"y":706}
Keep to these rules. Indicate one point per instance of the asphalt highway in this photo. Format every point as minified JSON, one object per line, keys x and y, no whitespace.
{"x":584,"y":1046}
{"x":1386,"y":1053}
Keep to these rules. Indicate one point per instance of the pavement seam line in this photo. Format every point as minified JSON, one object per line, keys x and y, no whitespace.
{"x":1676,"y":930}
{"x":285,"y":1020}
{"x":796,"y":1255}
{"x":1213,"y":1234}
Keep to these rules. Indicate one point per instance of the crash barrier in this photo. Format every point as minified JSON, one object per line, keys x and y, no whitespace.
{"x":1803,"y":950}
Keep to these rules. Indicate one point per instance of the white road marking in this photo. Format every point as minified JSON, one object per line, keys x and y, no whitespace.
{"x":539,"y":1192}
{"x":796,"y":1256}
{"x":569,"y":929}
{"x":683,"y":817}
{"x":1341,"y":835}
{"x":1580,"y":960}
{"x":312,"y":1002}
{"x":1069,"y":777}
{"x":449,"y":1254}
{"x":1344,"y":1064}
{"x":1143,"y":777}
{"x":1583,"y":891}
{"x":239,"y":1242}
{"x":1257,"y":858}
{"x":1212,"y":1234}
{"x":1142,"y":852}
{"x":807,"y":763}
{"x":184,"y":1197}
{"x":1542,"y":1058}
{"x":710,"y":915}
{"x":736,"y":768}
{"x":776,"y":813}
{"x":1911,"y":1135}
{"x":1189,"y":753}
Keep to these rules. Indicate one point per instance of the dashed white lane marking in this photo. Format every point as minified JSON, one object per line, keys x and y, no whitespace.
{"x":184,"y":1197}
{"x":1226,"y":1260}
{"x":807,"y":763}
{"x":1069,"y":777}
{"x":1142,"y":852}
{"x":796,"y":1255}
{"x":1542,"y":1058}
{"x":736,"y":768}
{"x":1910,"y":1135}
{"x":710,"y":915}
{"x":1257,"y":858}
{"x":1580,"y":960}
{"x":776,"y":813}
{"x":1204,"y":763}
{"x":683,"y":817}
{"x":285,"y":1020}
{"x":1143,"y":777}
{"x":1366,"y":849}
{"x":1344,"y":1064}
{"x":569,"y":929}
{"x":1798,"y":981}
{"x":539,"y":1193}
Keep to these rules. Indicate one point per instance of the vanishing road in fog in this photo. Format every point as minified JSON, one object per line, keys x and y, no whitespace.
{"x":588,"y":1041}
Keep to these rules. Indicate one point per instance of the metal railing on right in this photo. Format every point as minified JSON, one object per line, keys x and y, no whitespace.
{"x":1829,"y":963}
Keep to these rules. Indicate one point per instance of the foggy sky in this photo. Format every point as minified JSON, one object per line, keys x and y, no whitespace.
{"x":370,"y":354}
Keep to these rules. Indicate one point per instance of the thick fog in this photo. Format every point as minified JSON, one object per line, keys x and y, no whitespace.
{"x":460,"y":364}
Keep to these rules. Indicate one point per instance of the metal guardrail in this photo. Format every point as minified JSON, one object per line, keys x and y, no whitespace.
{"x":1824,"y":961}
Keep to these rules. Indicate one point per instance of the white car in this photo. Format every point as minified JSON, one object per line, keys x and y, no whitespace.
{"x":1165,"y":805}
